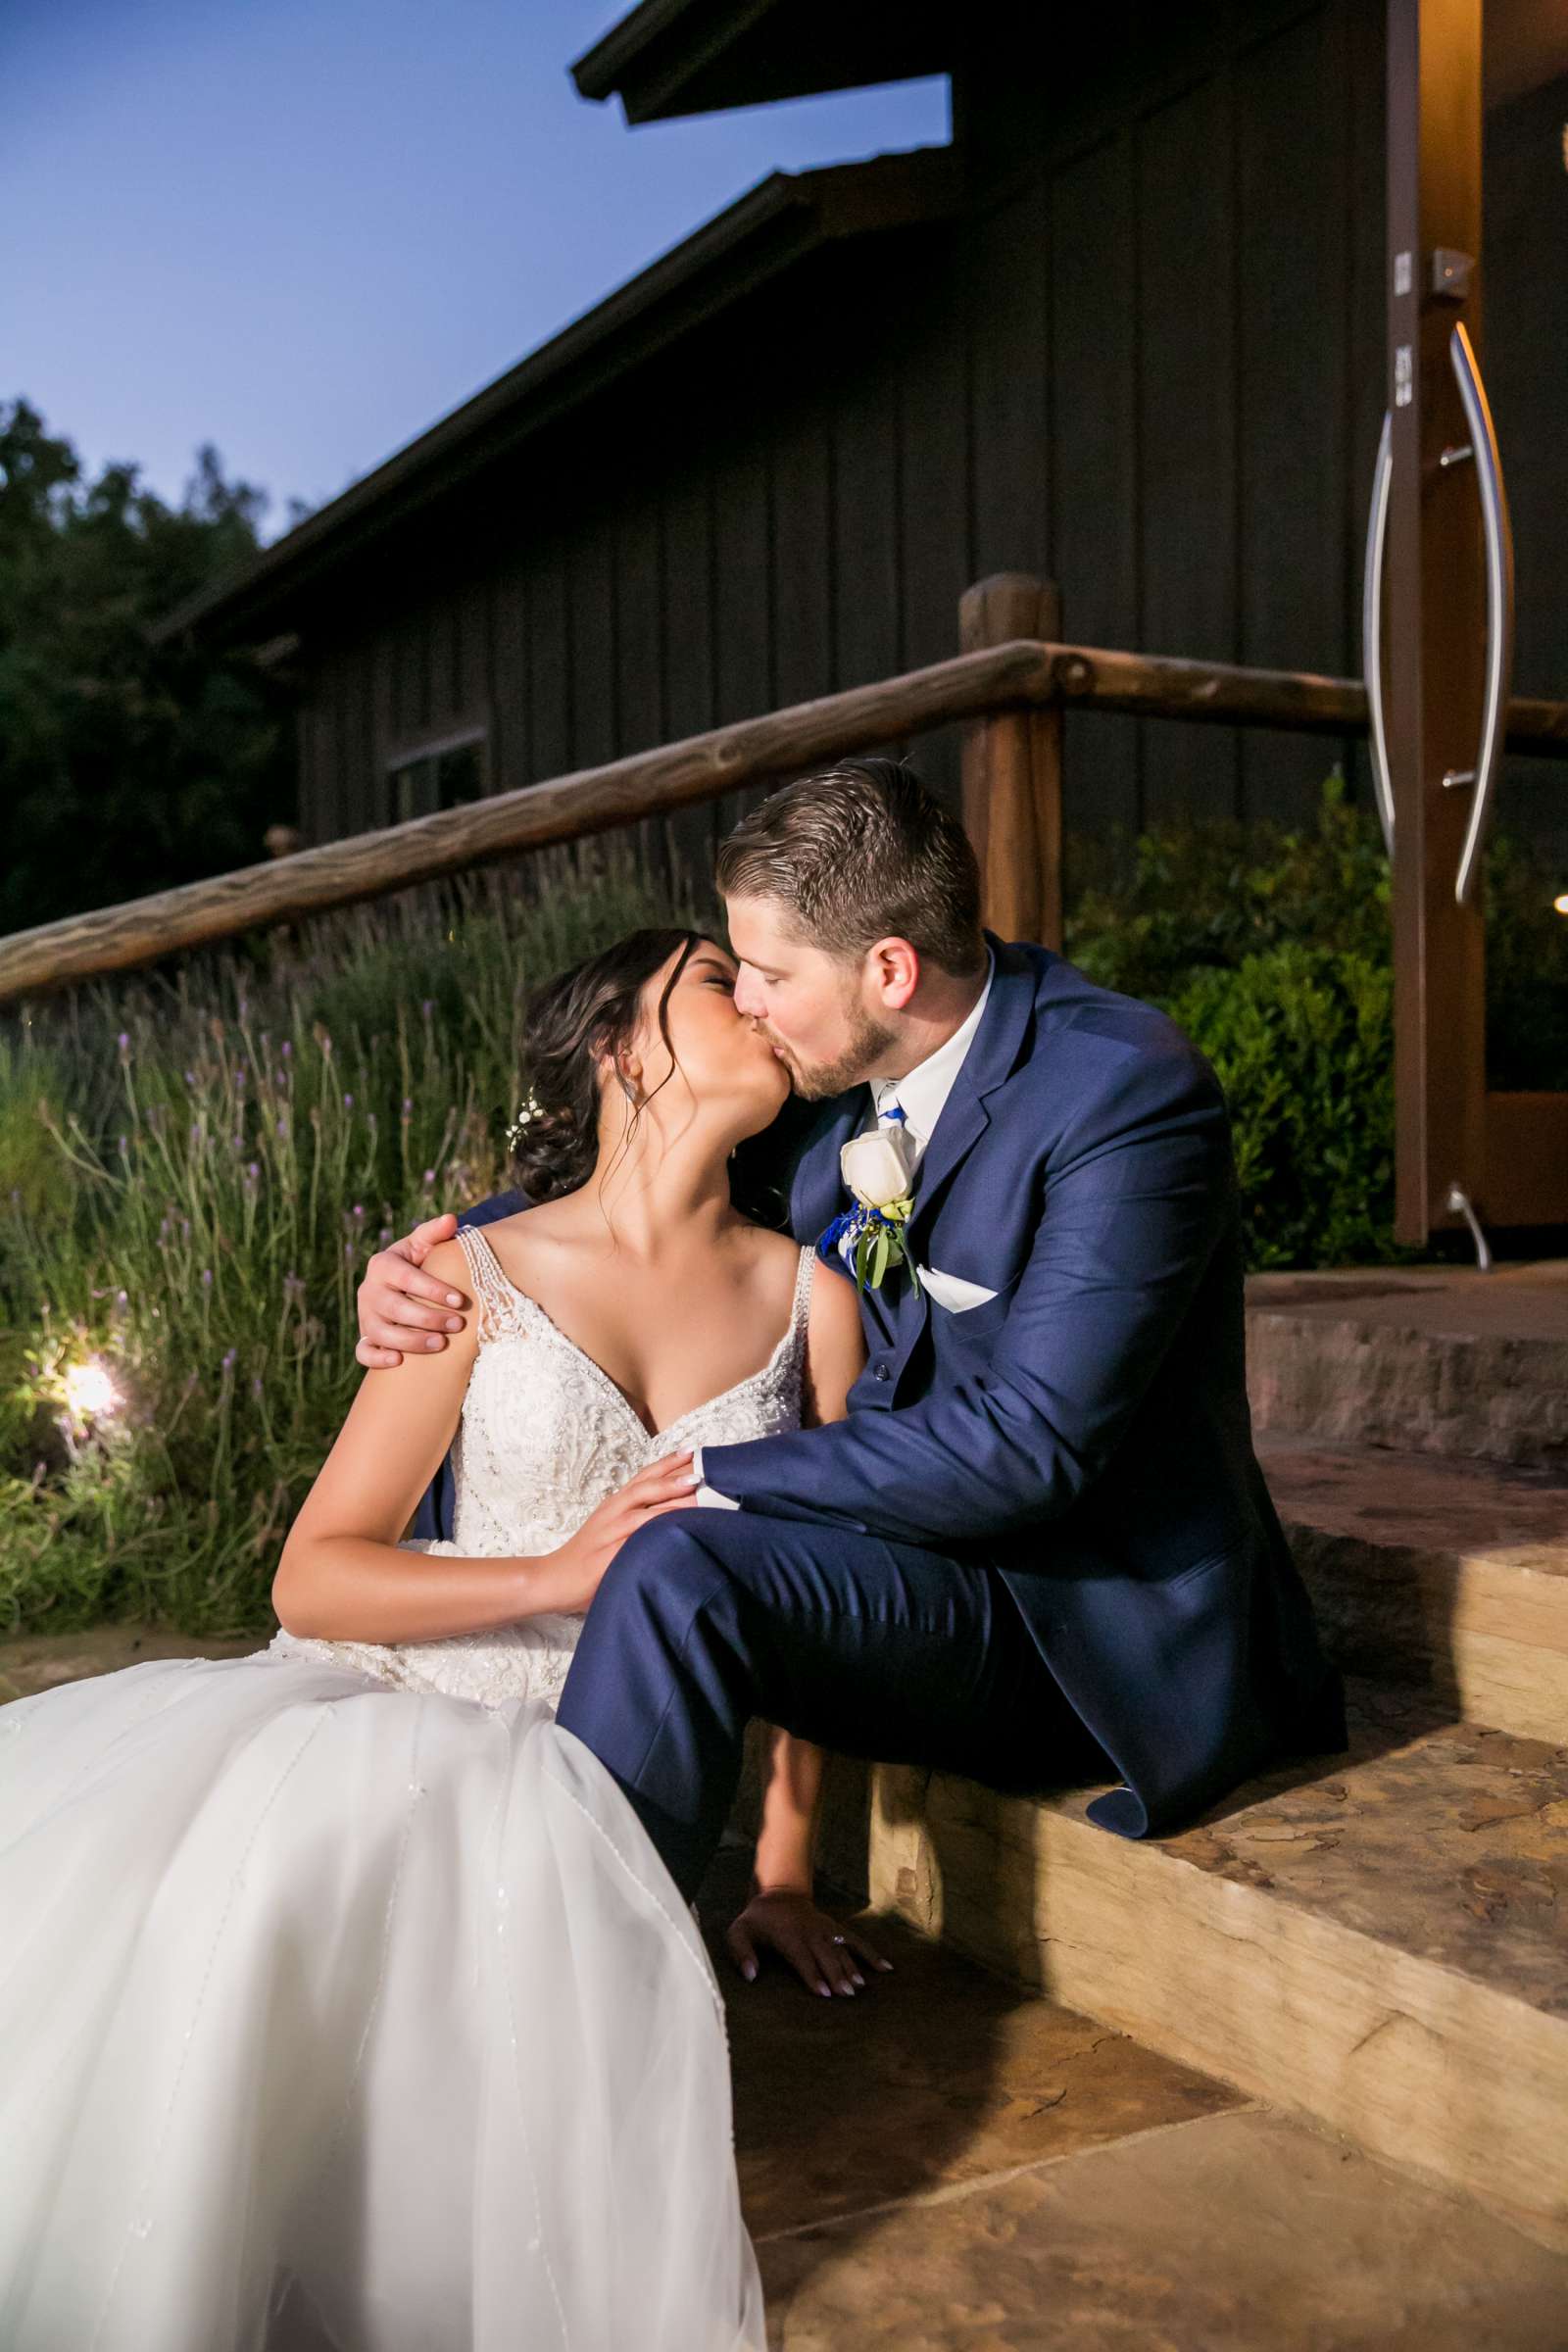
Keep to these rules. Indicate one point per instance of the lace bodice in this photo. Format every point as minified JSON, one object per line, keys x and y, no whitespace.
{"x":544,"y":1436}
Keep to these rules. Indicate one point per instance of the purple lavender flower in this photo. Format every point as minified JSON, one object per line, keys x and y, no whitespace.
{"x":348,"y":1102}
{"x":207,"y":1278}
{"x":230,"y":1359}
{"x":288,"y":1048}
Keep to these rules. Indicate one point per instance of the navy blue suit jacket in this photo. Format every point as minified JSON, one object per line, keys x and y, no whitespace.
{"x":1087,"y":1430}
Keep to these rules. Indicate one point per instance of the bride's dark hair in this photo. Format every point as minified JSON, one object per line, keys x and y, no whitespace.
{"x":570,"y":1023}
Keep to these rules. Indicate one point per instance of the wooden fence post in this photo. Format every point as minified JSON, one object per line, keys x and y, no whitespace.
{"x":1012,"y":768}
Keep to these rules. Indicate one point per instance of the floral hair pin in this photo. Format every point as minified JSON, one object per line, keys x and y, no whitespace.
{"x":531,"y":1110}
{"x":878,"y":1168}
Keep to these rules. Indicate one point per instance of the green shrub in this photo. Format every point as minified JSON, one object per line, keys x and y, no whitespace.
{"x":1272,"y":948}
{"x":1301,"y":1040}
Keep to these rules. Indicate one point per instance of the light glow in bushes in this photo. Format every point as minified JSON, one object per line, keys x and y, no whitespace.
{"x":90,"y":1391}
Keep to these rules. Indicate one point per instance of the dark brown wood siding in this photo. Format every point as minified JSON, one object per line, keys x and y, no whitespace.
{"x":1147,"y":362}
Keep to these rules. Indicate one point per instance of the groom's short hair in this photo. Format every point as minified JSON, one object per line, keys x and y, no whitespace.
{"x":861,"y":852}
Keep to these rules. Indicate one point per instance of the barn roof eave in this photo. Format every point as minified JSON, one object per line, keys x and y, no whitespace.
{"x":690,"y":56}
{"x":782,"y":219}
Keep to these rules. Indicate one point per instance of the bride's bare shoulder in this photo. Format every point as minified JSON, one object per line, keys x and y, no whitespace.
{"x":774,"y":1250}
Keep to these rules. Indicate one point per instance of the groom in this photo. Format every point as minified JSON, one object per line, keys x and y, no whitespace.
{"x":1040,"y":1547}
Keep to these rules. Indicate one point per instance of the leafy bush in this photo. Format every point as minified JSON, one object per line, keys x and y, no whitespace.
{"x":1301,"y":1040}
{"x":1272,"y":948}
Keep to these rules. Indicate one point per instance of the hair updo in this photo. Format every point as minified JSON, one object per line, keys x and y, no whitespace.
{"x":570,"y":1023}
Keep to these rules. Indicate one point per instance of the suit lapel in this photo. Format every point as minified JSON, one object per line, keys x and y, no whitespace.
{"x":990,"y":1058}
{"x":817,"y":1192}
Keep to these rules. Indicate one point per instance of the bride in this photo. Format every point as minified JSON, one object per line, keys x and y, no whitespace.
{"x":345,"y":2004}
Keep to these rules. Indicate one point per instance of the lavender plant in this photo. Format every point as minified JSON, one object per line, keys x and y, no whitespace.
{"x":193,"y":1170}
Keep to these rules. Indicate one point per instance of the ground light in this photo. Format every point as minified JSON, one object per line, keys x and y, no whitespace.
{"x":90,"y":1391}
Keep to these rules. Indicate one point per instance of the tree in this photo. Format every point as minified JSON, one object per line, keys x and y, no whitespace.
{"x":124,"y":767}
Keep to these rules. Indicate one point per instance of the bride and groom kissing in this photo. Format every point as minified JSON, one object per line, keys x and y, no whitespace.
{"x":360,"y":2001}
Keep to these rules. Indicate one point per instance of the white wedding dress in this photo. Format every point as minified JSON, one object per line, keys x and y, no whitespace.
{"x":345,"y":2004}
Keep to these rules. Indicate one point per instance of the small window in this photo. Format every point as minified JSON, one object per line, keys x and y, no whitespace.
{"x":446,"y":777}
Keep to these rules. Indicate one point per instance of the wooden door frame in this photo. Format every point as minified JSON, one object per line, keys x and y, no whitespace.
{"x":1457,"y":1145}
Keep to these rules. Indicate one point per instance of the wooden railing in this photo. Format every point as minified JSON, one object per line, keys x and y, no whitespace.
{"x":1017,"y":689}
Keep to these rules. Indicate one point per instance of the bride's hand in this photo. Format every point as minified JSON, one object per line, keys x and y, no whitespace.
{"x":393,"y":1314}
{"x":786,"y":1921}
{"x":577,"y":1565}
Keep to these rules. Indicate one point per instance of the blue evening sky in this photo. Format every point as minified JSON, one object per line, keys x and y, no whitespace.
{"x":306,"y":229}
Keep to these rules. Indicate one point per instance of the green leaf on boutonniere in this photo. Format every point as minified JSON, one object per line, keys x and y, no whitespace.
{"x":862,"y":1255}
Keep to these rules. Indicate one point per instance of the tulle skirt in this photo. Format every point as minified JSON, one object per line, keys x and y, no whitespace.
{"x":339,"y":2015}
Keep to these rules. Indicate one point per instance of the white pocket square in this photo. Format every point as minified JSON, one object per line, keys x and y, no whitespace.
{"x":952,"y":1290}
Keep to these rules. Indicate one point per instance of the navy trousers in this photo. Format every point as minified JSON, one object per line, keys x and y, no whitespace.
{"x":707,"y":1618}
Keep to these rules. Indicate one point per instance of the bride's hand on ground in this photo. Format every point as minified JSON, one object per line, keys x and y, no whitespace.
{"x":822,"y":1954}
{"x":401,"y":1308}
{"x":577,"y":1565}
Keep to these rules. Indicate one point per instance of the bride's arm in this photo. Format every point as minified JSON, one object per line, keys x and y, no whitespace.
{"x":792,"y":1797}
{"x":782,"y":1911}
{"x":342,"y":1575}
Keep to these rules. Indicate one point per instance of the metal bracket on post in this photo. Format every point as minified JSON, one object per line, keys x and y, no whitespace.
{"x":1458,"y":1204}
{"x":1449,"y":279}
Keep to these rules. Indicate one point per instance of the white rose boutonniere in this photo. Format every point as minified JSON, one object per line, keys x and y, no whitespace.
{"x":878,"y":1168}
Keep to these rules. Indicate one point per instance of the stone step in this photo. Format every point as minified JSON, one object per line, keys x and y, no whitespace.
{"x":1430,"y":1359}
{"x":1452,"y":1575}
{"x":949,"y":2164}
{"x":1380,"y":1940}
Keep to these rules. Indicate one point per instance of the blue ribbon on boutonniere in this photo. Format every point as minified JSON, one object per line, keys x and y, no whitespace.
{"x":878,"y":1168}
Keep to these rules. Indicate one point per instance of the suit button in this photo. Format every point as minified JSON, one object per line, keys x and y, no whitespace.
{"x":880,"y":1369}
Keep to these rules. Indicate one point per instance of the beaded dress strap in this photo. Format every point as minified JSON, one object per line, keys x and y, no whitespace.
{"x":499,"y":1301}
{"x":803,"y":1292}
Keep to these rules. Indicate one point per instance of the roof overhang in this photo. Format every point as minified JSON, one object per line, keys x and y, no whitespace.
{"x":782,"y":220}
{"x":690,"y":57}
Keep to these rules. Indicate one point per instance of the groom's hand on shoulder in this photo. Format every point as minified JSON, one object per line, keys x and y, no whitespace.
{"x":402,"y":1309}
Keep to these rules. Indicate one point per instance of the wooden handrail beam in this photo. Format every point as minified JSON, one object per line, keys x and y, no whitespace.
{"x":701,"y":767}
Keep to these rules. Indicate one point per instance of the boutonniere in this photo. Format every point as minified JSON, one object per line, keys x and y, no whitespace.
{"x":878,"y":1168}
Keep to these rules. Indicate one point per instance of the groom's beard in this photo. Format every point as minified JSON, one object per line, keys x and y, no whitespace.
{"x":864,"y":1052}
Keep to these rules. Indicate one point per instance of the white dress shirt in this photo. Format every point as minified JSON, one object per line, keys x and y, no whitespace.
{"x":920,"y":1095}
